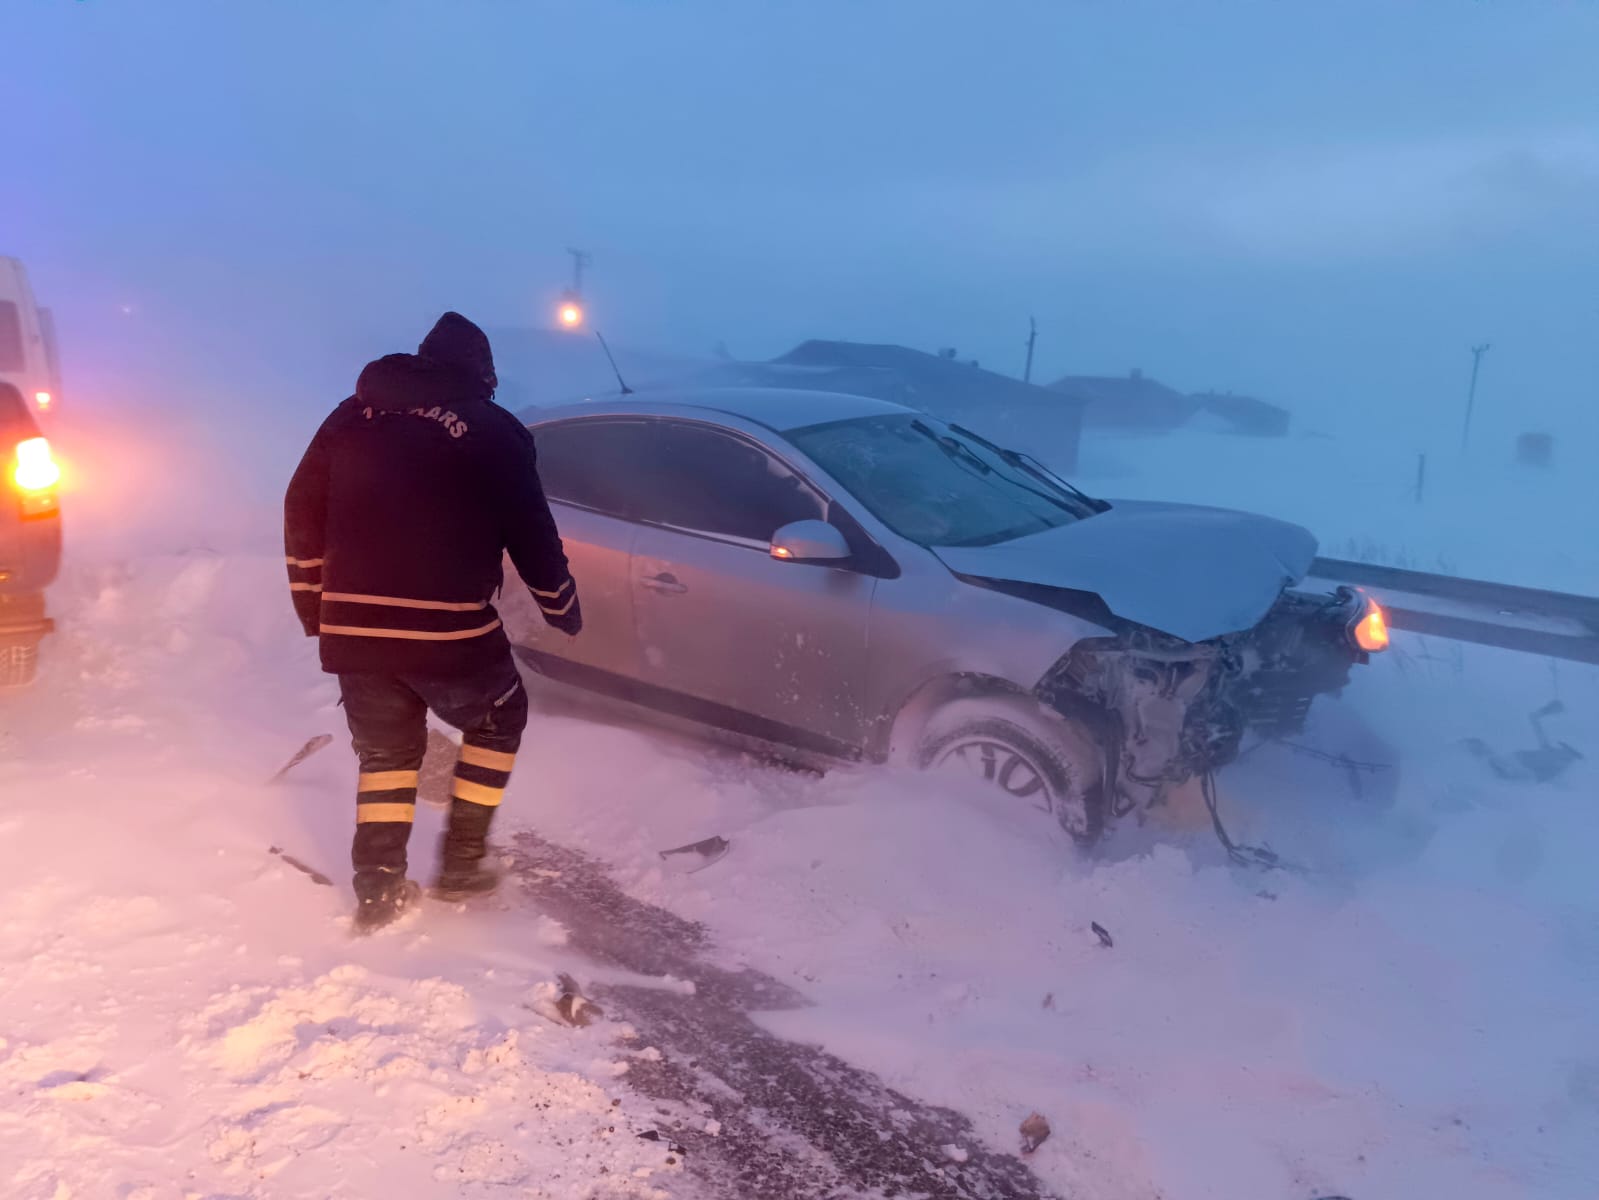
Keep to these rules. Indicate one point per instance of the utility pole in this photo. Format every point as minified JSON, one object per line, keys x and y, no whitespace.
{"x":1032,"y":337}
{"x":1471,"y":393}
{"x":580,"y":259}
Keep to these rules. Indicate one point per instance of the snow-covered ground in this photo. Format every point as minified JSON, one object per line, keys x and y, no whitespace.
{"x":183,"y":1013}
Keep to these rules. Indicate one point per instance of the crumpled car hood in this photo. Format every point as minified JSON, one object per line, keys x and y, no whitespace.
{"x":1188,"y":571}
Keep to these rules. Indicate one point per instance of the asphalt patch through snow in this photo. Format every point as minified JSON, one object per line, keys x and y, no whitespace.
{"x":795,"y":1122}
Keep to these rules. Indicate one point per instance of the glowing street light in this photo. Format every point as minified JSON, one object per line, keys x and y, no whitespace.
{"x":570,"y":314}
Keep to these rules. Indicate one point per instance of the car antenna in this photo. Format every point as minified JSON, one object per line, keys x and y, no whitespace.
{"x":626,"y":391}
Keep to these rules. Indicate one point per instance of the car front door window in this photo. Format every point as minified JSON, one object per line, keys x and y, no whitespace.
{"x":709,"y":482}
{"x":678,"y":474}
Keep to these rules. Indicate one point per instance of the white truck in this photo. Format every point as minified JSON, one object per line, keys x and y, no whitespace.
{"x":30,"y":517}
{"x":27,"y":341}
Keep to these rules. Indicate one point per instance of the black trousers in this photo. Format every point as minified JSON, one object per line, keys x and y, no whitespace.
{"x":388,"y":723}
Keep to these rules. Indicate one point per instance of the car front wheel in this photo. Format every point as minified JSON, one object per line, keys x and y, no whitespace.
{"x":1023,"y":754}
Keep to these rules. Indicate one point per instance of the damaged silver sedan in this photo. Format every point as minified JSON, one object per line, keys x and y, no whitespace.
{"x":840,"y":578}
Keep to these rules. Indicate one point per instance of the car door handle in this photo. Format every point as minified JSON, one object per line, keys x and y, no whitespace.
{"x":665,"y":582}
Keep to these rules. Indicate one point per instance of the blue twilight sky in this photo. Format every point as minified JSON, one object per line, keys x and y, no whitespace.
{"x":1321,"y":201}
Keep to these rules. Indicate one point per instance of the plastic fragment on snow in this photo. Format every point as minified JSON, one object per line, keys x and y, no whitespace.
{"x":696,"y":856}
{"x":316,"y":876}
{"x":304,"y":752}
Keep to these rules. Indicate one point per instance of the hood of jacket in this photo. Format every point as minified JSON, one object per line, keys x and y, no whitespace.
{"x":457,"y":343}
{"x":406,"y":382}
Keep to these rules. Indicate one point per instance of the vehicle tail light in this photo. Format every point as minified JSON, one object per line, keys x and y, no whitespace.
{"x":44,"y":400}
{"x":35,"y":476}
{"x":1370,"y":632}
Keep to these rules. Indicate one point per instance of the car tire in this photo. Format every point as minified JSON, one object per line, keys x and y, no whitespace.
{"x":1024,"y":750}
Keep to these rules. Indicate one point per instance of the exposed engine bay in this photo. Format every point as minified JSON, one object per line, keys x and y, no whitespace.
{"x":1167,"y":710}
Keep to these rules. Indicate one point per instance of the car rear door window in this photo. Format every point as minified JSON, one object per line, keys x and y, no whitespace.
{"x":594,"y":463}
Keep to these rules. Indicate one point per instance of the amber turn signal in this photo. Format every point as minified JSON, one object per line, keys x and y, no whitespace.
{"x":1371,"y":631}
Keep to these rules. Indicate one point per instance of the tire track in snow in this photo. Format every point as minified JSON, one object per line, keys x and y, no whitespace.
{"x":795,"y":1122}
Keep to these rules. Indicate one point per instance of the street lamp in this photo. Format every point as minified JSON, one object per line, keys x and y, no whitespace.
{"x":570,"y":312}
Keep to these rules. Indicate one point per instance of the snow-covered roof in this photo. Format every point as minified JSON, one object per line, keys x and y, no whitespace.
{"x":776,"y":408}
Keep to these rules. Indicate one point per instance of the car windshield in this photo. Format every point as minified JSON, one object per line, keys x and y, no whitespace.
{"x":938,"y":486}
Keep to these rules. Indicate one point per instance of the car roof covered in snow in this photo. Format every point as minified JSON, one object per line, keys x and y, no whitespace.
{"x":779,"y":409}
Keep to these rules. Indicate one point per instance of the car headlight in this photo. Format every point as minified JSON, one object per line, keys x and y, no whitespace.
{"x":1368,"y":631}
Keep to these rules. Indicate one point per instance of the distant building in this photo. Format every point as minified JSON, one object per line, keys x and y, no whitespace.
{"x":1003,"y":409}
{"x":1136,"y":403}
{"x":1129,"y":402}
{"x":1245,"y":414}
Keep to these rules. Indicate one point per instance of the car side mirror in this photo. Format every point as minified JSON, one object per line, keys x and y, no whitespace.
{"x":809,"y":542}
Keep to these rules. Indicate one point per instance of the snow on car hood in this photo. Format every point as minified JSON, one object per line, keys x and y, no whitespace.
{"x":1192,"y":572}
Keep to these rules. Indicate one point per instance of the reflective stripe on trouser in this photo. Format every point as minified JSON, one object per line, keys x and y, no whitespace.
{"x":388,"y":724}
{"x":388,"y":721}
{"x":481,"y":774}
{"x":386,"y":796}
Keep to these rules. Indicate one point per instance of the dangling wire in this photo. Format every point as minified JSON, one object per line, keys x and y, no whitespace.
{"x":1248,"y":856}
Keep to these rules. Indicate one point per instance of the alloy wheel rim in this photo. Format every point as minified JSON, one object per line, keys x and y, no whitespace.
{"x":1006,"y":769}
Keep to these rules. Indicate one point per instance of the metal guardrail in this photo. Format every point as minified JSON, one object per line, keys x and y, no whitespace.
{"x":1530,"y":620}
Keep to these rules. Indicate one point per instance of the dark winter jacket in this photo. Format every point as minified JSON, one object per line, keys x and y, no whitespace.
{"x":397,"y":519}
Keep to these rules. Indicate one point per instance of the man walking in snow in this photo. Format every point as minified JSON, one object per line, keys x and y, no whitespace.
{"x":395,"y":525}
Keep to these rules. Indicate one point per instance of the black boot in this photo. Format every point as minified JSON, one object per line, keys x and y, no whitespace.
{"x":463,"y":875}
{"x":462,"y":871}
{"x":462,"y":882}
{"x":382,"y":896}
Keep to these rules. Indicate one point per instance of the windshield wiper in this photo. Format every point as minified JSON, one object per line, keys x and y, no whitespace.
{"x":953,"y":447}
{"x":1036,"y":469}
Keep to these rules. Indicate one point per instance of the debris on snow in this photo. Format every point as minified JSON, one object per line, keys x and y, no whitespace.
{"x":563,"y":1002}
{"x":304,"y":752}
{"x":1035,"y":1132}
{"x":573,"y":1006}
{"x":696,"y":856}
{"x":316,"y":876}
{"x":1102,"y":934}
{"x":1542,"y":764}
{"x":655,"y":1135}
